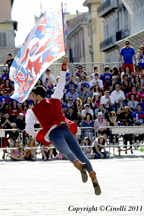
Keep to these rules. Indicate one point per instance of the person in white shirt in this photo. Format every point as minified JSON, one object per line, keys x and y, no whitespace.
{"x":95,"y":71}
{"x":47,"y":75}
{"x":86,"y":110}
{"x":56,"y":129}
{"x":107,"y":100}
{"x":117,"y":94}
{"x":96,"y":80}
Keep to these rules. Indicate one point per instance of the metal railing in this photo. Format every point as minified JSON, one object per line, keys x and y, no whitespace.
{"x":107,"y":6}
{"x":106,"y":44}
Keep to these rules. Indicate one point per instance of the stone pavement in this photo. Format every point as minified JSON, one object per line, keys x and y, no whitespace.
{"x":55,"y":188}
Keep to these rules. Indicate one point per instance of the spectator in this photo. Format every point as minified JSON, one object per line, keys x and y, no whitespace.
{"x":6,"y":121}
{"x":87,"y":148}
{"x":15,"y":110}
{"x":85,"y":94}
{"x":140,"y":52}
{"x":88,"y":122}
{"x":127,"y":53}
{"x":78,"y":108}
{"x":107,"y":100}
{"x":70,"y":102}
{"x":99,"y":146}
{"x":80,"y":72}
{"x":113,"y":122}
{"x":25,"y":107}
{"x":137,"y":94}
{"x":5,"y":109}
{"x":73,"y":94}
{"x":96,"y":100}
{"x":100,"y":109}
{"x":89,"y":101}
{"x":31,"y":153}
{"x":117,"y":94}
{"x":138,"y":116}
{"x":120,"y":106}
{"x":48,"y":75}
{"x":86,"y":110}
{"x":96,"y":80}
{"x":137,"y":83}
{"x":17,"y":154}
{"x":96,"y":89}
{"x":7,"y":86}
{"x":127,"y":72}
{"x":137,"y":72}
{"x":107,"y":78}
{"x":95,"y":70}
{"x":115,"y":72}
{"x":141,"y":60}
{"x":5,"y":98}
{"x":114,"y":82}
{"x":47,"y":154}
{"x":39,"y":82}
{"x":8,"y":60}
{"x":5,"y":75}
{"x":70,"y":83}
{"x":132,"y":103}
{"x":82,"y":84}
{"x":49,"y":85}
{"x":71,"y":115}
{"x":21,"y":122}
{"x":3,"y":144}
{"x":99,"y":123}
{"x":14,"y":134}
{"x":126,"y":84}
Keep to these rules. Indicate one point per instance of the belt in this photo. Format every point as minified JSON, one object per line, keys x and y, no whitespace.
{"x":61,"y":125}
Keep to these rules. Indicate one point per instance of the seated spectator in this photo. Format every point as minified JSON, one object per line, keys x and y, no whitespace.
{"x":140,"y":53}
{"x":5,"y":98}
{"x":86,"y":110}
{"x":49,"y":85}
{"x":99,"y":123}
{"x":3,"y":144}
{"x":17,"y":154}
{"x":7,"y":86}
{"x":5,"y":75}
{"x":24,"y":107}
{"x":88,"y":122}
{"x":39,"y":82}
{"x":115,"y":72}
{"x":73,"y":94}
{"x":113,"y":122}
{"x":137,"y":72}
{"x":126,"y":84}
{"x":127,"y":72}
{"x":31,"y":153}
{"x":70,"y":83}
{"x":48,"y":75}
{"x":85,"y":94}
{"x":107,"y":100}
{"x":95,"y":70}
{"x":138,"y":116}
{"x":96,"y":89}
{"x":14,"y":134}
{"x":142,"y":103}
{"x":70,"y":103}
{"x":5,"y":109}
{"x":47,"y":154}
{"x":137,"y":94}
{"x":8,"y":60}
{"x":120,"y":106}
{"x":114,"y":82}
{"x":15,"y":110}
{"x":117,"y":94}
{"x":82,"y":84}
{"x":138,"y":83}
{"x":80,"y":72}
{"x":100,"y":109}
{"x":96,"y":80}
{"x":132,"y":103}
{"x":107,"y":78}
{"x":87,"y":147}
{"x":89,"y":101}
{"x":99,"y":146}
{"x":30,"y":100}
{"x":6,"y":122}
{"x":71,"y":115}
{"x":96,"y":100}
{"x":78,"y":108}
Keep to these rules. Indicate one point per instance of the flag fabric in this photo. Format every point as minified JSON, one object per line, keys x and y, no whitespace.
{"x":43,"y":45}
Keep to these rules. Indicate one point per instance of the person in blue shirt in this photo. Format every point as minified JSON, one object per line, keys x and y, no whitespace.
{"x":5,"y":98}
{"x":127,"y":54}
{"x":107,"y":78}
{"x":5,"y":75}
{"x":82,"y":83}
{"x":70,"y":83}
{"x":138,"y":118}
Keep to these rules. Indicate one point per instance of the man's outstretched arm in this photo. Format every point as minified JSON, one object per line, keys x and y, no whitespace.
{"x":58,"y":94}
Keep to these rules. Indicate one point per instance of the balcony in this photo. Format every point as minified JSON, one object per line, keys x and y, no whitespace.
{"x":122,"y":34}
{"x":107,"y":7}
{"x":108,"y":43}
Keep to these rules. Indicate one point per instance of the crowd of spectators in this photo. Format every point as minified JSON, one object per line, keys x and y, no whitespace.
{"x":113,"y":97}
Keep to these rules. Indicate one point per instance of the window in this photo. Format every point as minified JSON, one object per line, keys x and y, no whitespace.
{"x":3,"y":40}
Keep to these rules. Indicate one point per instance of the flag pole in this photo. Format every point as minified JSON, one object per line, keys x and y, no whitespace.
{"x":63,"y":26}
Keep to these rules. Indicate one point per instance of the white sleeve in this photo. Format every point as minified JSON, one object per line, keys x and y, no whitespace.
{"x":58,"y":94}
{"x":30,"y":122}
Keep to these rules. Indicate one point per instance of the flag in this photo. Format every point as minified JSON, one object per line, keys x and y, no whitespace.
{"x":43,"y":45}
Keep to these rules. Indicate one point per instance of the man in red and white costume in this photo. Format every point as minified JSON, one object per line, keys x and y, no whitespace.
{"x":58,"y":130}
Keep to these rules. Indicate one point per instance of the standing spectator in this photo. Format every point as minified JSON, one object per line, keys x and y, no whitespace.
{"x":96,"y":80}
{"x":113,"y":122}
{"x":132,"y":103}
{"x":117,"y":94}
{"x":86,"y":110}
{"x":70,"y":83}
{"x":85,"y":94}
{"x":80,"y":72}
{"x":107,"y":100}
{"x":7,"y":86}
{"x":88,"y":122}
{"x":107,"y":78}
{"x":82,"y":83}
{"x":15,"y":110}
{"x":48,"y":75}
{"x":5,"y":98}
{"x":73,"y":94}
{"x":5,"y":75}
{"x":99,"y":123}
{"x":8,"y":60}
{"x":137,"y":94}
{"x":127,"y":54}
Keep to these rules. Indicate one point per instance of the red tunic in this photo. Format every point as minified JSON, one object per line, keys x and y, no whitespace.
{"x":48,"y":112}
